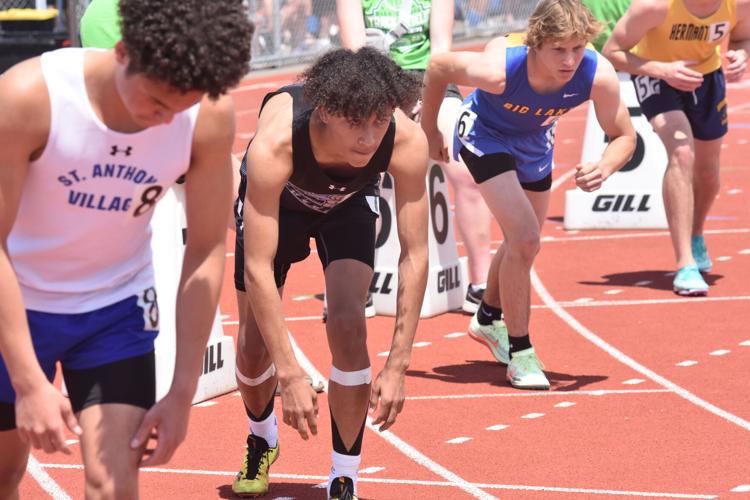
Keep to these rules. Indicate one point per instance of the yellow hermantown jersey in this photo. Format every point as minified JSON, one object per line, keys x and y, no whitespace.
{"x":684,"y":36}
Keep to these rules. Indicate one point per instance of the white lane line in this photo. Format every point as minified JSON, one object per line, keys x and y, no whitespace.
{"x":613,"y":292}
{"x":540,"y":394}
{"x":687,"y":362}
{"x":454,"y":335}
{"x":743,"y":488}
{"x":384,"y":354}
{"x":497,"y":427}
{"x":625,"y":236}
{"x":421,"y":344}
{"x":608,"y":303}
{"x":371,"y":470}
{"x":744,"y":251}
{"x":627,"y":360}
{"x":458,"y":440}
{"x":565,"y":404}
{"x":205,"y":404}
{"x":745,"y":343}
{"x":583,"y":300}
{"x":291,"y":318}
{"x":532,"y":416}
{"x":723,"y":258}
{"x":71,"y":441}
{"x":719,"y":352}
{"x":48,"y":484}
{"x":489,"y":486}
{"x":634,"y":381}
{"x":734,"y":191}
{"x":398,"y":443}
{"x":643,"y":283}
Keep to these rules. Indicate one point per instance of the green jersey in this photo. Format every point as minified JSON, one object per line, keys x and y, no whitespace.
{"x":100,"y":24}
{"x":411,"y":50}
{"x":608,"y":12}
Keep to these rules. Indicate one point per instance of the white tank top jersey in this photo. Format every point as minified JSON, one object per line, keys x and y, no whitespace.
{"x":81,"y":239}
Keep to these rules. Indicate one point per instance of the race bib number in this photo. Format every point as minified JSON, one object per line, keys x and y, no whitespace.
{"x":465,"y":122}
{"x":646,"y":86}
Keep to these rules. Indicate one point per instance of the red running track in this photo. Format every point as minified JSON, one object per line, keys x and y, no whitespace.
{"x":650,"y":391}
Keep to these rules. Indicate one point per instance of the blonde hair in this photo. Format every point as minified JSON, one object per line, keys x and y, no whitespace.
{"x":557,"y":20}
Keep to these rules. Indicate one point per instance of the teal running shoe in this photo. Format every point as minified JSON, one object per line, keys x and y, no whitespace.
{"x":689,"y":282}
{"x":700,"y":254}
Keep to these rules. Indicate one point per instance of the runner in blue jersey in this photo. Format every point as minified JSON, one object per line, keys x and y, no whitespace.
{"x":505,"y":135}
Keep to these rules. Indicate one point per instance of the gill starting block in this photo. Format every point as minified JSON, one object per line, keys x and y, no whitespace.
{"x":169,"y":228}
{"x":446,"y":275}
{"x":631,"y":198}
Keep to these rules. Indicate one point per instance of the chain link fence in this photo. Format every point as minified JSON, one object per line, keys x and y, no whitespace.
{"x":296,"y":31}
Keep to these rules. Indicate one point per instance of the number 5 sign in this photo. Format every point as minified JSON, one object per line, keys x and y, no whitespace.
{"x":446,"y":282}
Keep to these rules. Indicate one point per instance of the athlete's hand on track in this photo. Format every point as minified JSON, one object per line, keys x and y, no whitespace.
{"x":678,"y":75}
{"x":737,"y":64}
{"x":387,"y":397}
{"x":299,"y":404}
{"x":589,"y":176}
{"x":41,"y":417}
{"x":438,"y":149}
{"x":166,"y":423}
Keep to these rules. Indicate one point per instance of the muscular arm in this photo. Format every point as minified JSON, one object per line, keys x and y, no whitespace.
{"x":462,"y":68}
{"x":208,"y":192}
{"x":642,"y":16}
{"x":269,"y":166}
{"x":24,"y":126}
{"x":408,"y":167}
{"x":351,"y":23}
{"x":441,"y":26}
{"x":613,"y":117}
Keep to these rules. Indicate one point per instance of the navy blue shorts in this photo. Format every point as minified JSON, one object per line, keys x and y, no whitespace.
{"x":88,"y":342}
{"x":705,"y":108}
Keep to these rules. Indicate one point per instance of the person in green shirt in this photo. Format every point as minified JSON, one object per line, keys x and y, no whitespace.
{"x":608,"y":12}
{"x":100,"y":24}
{"x":410,"y":31}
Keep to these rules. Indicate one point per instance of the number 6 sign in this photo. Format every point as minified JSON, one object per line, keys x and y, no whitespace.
{"x":446,"y":282}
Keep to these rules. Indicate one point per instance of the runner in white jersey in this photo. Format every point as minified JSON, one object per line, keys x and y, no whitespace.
{"x":89,"y":141}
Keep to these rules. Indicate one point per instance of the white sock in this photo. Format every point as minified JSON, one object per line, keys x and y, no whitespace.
{"x":344,"y":465}
{"x":268,"y":429}
{"x":478,"y":286}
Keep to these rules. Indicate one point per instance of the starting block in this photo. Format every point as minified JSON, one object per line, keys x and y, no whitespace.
{"x":631,"y":198}
{"x":169,"y":230}
{"x":446,"y":276}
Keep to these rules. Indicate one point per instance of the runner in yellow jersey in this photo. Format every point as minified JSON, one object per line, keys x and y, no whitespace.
{"x":672,"y":49}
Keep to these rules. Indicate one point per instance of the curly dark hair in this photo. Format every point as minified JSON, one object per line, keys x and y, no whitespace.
{"x":190,"y":44}
{"x":358,"y":84}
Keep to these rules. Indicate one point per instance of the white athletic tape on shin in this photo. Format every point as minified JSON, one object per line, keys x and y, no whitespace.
{"x":252,"y":382}
{"x":359,"y":377}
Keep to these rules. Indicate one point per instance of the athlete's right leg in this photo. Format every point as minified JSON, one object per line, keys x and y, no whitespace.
{"x":675,"y":132}
{"x":473,"y":218}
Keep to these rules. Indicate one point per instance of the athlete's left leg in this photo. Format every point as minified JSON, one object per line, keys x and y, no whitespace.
{"x":473,"y":218}
{"x":706,"y":183}
{"x":110,"y":402}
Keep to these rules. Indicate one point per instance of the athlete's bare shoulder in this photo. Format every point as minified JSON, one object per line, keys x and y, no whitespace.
{"x":24,"y":100}
{"x":410,"y":146}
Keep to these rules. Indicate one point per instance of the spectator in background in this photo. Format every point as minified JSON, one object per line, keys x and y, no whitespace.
{"x":608,"y":12}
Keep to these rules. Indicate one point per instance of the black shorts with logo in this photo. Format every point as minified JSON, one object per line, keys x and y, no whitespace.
{"x":705,"y":107}
{"x":345,"y":232}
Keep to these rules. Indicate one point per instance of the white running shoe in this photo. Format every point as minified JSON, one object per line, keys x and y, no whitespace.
{"x":494,"y":336}
{"x":525,"y":371}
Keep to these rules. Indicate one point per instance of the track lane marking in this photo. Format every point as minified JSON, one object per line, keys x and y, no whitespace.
{"x":448,"y":484}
